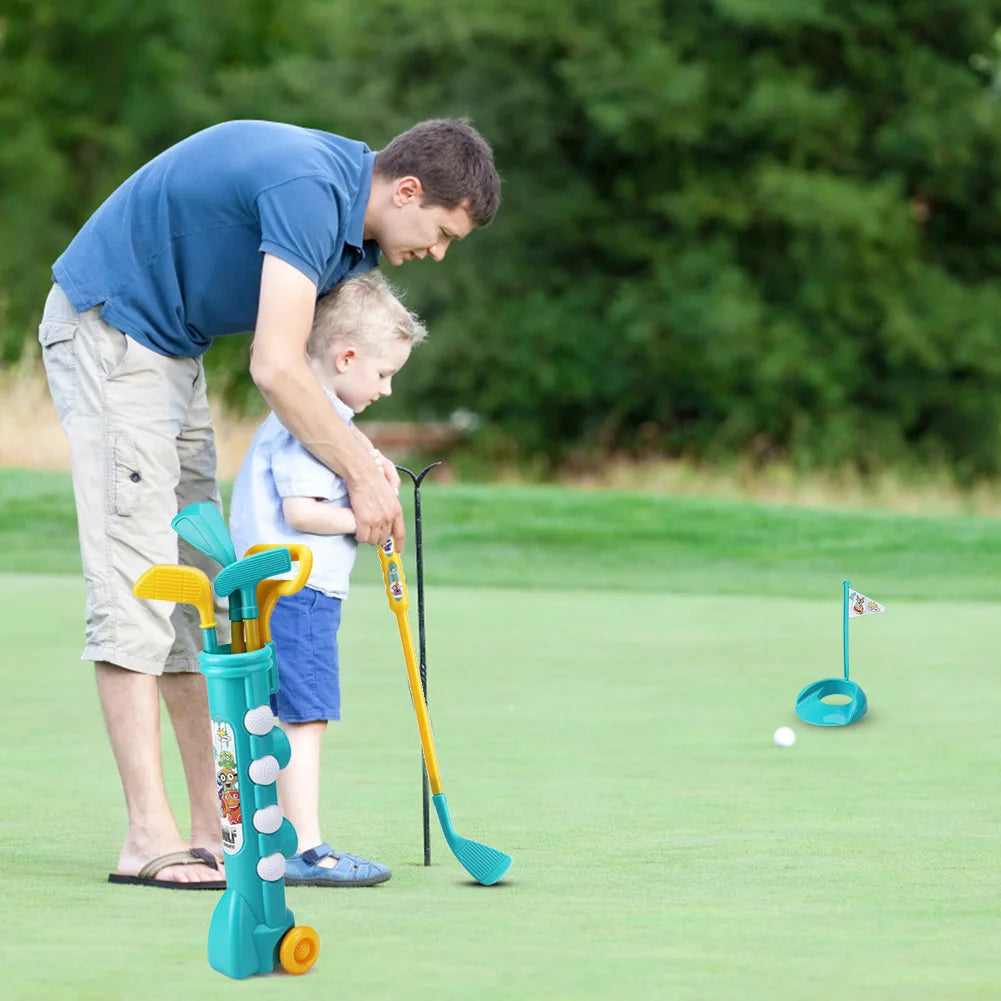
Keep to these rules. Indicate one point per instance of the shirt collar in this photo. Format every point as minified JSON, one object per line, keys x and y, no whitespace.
{"x":339,"y":405}
{"x":356,"y":224}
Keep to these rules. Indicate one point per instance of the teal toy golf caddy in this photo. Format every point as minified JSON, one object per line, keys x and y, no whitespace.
{"x":252,"y":930}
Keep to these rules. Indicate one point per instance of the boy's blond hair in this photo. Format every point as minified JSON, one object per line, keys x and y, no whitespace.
{"x":363,"y":311}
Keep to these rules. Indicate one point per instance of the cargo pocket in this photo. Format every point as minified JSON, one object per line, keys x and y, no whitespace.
{"x":119,"y":351}
{"x":128,"y":476}
{"x":56,"y":337}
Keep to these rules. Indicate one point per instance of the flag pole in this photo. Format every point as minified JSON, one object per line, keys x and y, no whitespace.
{"x":845,"y":626}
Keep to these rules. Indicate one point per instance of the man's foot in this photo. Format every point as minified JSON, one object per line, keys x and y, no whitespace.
{"x":148,"y":875}
{"x":322,"y":866}
{"x":181,"y":866}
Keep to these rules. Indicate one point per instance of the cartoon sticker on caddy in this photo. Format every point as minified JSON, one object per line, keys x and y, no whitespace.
{"x":227,"y":776}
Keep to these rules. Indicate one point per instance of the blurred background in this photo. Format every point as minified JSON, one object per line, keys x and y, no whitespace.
{"x":756,"y":231}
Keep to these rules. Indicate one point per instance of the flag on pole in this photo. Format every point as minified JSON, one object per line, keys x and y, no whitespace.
{"x":859,"y":604}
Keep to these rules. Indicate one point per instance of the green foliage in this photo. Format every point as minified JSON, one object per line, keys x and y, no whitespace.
{"x":728,"y":226}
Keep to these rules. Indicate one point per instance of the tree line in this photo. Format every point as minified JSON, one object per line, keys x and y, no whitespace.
{"x":730,"y":227}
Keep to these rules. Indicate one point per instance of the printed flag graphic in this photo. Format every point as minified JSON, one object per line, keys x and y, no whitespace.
{"x":859,"y":604}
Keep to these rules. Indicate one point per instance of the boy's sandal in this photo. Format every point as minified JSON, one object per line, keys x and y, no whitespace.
{"x":351,"y":870}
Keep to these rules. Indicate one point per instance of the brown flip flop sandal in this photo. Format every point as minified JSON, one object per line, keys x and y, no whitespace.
{"x":192,"y":856}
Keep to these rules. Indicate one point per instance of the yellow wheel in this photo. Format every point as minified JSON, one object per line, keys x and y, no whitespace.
{"x":299,"y":949}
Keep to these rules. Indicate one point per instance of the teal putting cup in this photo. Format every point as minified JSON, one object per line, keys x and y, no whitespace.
{"x":849,"y":705}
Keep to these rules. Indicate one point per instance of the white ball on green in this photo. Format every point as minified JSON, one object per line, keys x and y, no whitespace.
{"x":784,"y":736}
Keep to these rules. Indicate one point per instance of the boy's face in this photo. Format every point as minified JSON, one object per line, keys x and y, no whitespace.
{"x":362,"y":374}
{"x":412,"y":230}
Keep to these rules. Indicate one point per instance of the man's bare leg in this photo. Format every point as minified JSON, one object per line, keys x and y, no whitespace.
{"x":186,"y":698}
{"x":131,"y":705}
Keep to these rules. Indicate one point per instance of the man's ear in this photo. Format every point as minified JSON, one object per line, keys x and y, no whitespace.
{"x":407,"y":189}
{"x":343,"y":359}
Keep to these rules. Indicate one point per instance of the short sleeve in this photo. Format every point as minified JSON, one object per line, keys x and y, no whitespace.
{"x":297,"y":473}
{"x":301,"y":220}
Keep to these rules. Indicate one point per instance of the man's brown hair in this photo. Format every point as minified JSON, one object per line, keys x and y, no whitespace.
{"x":453,"y":162}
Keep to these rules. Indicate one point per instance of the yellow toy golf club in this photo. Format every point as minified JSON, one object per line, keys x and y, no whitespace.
{"x":187,"y":585}
{"x":485,"y":864}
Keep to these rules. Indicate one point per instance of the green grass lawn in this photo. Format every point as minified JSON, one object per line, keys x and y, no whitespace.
{"x":605,"y":674}
{"x":548,"y":538}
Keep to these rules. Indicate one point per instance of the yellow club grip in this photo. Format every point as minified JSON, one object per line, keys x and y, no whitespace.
{"x":392,"y":576}
{"x":399,"y":602}
{"x":270,"y":590}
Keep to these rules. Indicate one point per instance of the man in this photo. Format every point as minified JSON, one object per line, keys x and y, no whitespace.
{"x":239,"y":227}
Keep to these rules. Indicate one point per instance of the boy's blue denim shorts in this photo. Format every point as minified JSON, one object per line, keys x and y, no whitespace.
{"x":304,"y":629}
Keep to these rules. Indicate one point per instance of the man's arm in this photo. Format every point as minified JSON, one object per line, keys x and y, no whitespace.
{"x":387,"y":466}
{"x":278,"y":367}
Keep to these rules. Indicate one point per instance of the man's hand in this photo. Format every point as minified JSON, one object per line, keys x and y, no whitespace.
{"x":389,"y":470}
{"x":387,"y":466}
{"x":377,"y":510}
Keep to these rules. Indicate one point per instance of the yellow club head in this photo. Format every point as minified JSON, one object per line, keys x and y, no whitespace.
{"x":188,"y":585}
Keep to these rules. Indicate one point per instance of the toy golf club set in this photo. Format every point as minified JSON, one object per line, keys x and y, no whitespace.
{"x":252,"y":930}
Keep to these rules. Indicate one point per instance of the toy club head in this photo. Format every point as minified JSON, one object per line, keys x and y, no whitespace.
{"x":269,"y":591}
{"x":485,"y":864}
{"x":202,"y":525}
{"x":187,"y":585}
{"x":243,"y":577}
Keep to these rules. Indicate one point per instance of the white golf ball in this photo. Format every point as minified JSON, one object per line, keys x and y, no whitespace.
{"x":784,"y":736}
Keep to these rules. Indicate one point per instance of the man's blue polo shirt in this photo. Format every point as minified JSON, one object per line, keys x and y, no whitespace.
{"x":175,"y":253}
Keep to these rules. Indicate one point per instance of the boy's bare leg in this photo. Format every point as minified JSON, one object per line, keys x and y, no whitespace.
{"x":186,"y":698}
{"x":131,"y":705}
{"x":299,"y":785}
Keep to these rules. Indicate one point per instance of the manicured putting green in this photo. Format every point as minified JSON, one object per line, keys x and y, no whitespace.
{"x":619,"y":746}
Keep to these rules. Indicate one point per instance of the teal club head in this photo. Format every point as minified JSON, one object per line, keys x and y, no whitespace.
{"x":244,"y":576}
{"x":485,"y":864}
{"x":202,"y":525}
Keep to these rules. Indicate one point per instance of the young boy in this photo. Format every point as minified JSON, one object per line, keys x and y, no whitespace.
{"x":361,"y":337}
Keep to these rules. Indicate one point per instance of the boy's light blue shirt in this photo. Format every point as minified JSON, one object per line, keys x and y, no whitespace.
{"x":277,"y":466}
{"x":175,"y":253}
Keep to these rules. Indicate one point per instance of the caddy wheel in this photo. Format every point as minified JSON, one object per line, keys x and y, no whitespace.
{"x":299,"y":950}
